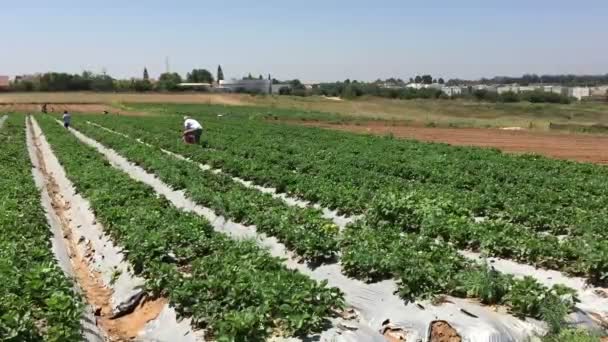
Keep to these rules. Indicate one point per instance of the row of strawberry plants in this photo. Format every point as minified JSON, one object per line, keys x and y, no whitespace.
{"x":424,"y":266}
{"x":234,"y":288}
{"x":38,"y":302}
{"x":561,"y":197}
{"x":428,"y":268}
{"x":580,"y":255}
{"x":303,"y":230}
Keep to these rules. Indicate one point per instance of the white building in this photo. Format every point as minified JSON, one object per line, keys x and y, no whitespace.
{"x":492,"y":88}
{"x":424,"y":86}
{"x":452,"y":91}
{"x":415,"y":85}
{"x":4,"y":82}
{"x":186,"y":85}
{"x":259,"y":86}
{"x":508,"y":88}
{"x":599,"y":90}
{"x":578,"y":92}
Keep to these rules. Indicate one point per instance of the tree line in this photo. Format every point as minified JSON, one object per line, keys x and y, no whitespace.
{"x":353,"y":89}
{"x":88,"y":81}
{"x":527,"y":79}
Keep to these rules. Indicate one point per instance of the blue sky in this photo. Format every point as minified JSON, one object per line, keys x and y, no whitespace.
{"x":311,"y":40}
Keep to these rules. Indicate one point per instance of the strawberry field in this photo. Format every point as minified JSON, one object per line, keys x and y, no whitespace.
{"x":244,"y":237}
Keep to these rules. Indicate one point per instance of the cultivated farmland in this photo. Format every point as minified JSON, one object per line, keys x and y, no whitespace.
{"x":272,"y":231}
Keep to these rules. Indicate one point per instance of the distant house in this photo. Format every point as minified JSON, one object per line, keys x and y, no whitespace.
{"x":390,"y":85}
{"x":452,"y":91}
{"x":492,"y":88}
{"x":309,"y":85}
{"x":257,"y":86}
{"x":28,"y":78}
{"x":415,"y":85}
{"x":424,"y":86}
{"x":599,"y":91}
{"x":4,"y":82}
{"x":578,"y":92}
{"x":195,"y":86}
{"x":514,"y":88}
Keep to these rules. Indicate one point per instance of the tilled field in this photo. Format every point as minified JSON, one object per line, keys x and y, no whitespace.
{"x":578,"y":147}
{"x":273,"y":231}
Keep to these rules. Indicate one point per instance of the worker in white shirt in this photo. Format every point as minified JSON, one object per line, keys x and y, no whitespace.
{"x":192,"y":131}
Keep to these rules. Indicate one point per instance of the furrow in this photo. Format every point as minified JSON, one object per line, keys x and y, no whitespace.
{"x":375,"y":302}
{"x":114,"y":293}
{"x":340,"y":220}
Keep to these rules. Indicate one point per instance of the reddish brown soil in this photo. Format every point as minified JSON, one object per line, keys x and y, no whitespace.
{"x":85,"y":108}
{"x":441,"y":331}
{"x":578,"y":147}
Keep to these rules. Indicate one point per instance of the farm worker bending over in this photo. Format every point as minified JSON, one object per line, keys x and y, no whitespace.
{"x":192,"y":130}
{"x":66,"y":119}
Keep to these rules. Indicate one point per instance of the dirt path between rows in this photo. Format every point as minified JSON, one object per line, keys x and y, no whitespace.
{"x":124,"y":328}
{"x":577,"y":147}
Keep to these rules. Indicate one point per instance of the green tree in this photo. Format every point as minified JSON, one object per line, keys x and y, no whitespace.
{"x":220,"y":73}
{"x":142,"y":85}
{"x":297,"y":88}
{"x":441,"y":81}
{"x":427,"y":79}
{"x":123,"y":85}
{"x":101,"y":83}
{"x":146,"y":76}
{"x":199,"y":76}
{"x":418,"y":79}
{"x":169,"y":81}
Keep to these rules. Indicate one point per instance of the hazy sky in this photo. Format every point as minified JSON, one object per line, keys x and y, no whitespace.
{"x":311,"y":40}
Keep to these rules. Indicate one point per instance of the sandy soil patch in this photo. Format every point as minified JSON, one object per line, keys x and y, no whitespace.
{"x":112,"y":98}
{"x":84,"y":108}
{"x":583,"y":148}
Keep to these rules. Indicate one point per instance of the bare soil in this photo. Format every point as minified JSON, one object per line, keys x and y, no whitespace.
{"x":577,"y":147}
{"x":110,"y":98}
{"x":85,"y":108}
{"x":441,"y":331}
{"x":95,"y":292}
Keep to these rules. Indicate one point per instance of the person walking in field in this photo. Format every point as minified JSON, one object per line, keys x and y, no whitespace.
{"x":192,"y":131}
{"x":66,"y":119}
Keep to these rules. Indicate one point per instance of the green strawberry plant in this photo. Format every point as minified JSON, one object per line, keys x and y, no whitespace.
{"x":38,"y":301}
{"x":234,"y":288}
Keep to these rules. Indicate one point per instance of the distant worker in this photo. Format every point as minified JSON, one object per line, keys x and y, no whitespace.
{"x":44,"y":110}
{"x":192,"y":131}
{"x":66,"y":119}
